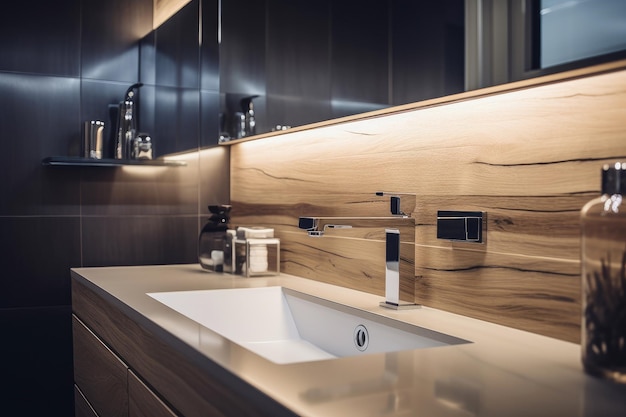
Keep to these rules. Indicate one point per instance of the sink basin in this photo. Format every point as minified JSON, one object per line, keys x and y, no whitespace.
{"x":287,"y":326}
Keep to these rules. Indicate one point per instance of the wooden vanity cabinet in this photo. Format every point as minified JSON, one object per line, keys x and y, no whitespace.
{"x":105,"y":386}
{"x":82,"y":408}
{"x":143,"y":402}
{"x":99,"y":374}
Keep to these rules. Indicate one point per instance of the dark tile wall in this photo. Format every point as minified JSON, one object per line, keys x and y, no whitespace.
{"x":61,"y":63}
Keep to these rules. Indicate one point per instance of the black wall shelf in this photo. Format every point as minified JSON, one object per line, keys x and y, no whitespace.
{"x":57,"y":161}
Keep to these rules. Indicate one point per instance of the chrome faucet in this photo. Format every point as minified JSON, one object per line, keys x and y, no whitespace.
{"x":399,"y":228}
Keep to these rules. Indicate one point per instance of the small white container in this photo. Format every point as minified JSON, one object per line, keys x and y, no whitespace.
{"x":257,"y":257}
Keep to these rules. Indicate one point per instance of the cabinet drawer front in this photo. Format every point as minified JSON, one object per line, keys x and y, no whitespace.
{"x":99,"y":373}
{"x":82,"y":408}
{"x":142,"y":402}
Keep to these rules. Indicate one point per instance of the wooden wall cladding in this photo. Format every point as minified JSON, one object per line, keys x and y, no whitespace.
{"x":530,"y":158}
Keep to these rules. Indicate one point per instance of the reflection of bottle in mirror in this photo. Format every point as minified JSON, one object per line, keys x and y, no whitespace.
{"x":240,"y":125}
{"x":143,"y":147}
{"x":250,"y":119}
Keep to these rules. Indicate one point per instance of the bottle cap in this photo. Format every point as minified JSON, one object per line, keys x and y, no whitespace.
{"x":614,"y":178}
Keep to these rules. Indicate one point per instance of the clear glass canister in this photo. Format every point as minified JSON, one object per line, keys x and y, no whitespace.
{"x":603,"y":270}
{"x":213,"y":243}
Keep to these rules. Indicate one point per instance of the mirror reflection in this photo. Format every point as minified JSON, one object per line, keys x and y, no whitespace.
{"x":272,"y":64}
{"x":307,"y":64}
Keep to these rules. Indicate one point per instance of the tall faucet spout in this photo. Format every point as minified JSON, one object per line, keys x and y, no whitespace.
{"x":399,"y":259}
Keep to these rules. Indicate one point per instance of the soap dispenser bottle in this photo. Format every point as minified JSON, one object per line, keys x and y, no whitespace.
{"x":603,"y":270}
{"x":215,"y":242}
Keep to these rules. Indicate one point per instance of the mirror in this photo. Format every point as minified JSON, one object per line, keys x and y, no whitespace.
{"x":302,"y":62}
{"x":179,"y":100}
{"x":309,"y":62}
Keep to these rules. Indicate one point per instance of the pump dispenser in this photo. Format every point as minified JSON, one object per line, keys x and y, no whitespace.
{"x":603,"y":270}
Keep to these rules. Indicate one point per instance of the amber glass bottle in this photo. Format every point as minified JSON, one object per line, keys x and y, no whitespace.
{"x":603,"y":269}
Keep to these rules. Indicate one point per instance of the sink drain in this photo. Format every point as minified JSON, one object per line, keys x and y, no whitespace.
{"x":361,"y":337}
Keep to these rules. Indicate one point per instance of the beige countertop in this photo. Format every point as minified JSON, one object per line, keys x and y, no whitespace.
{"x":503,"y":372}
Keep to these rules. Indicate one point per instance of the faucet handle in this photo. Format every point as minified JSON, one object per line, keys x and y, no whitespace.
{"x":395,"y":206}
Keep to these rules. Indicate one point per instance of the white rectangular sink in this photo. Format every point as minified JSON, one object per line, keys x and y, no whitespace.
{"x":287,"y":326}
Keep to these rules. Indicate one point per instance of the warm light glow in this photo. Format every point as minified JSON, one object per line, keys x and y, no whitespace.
{"x":216,"y":152}
{"x":143,"y":170}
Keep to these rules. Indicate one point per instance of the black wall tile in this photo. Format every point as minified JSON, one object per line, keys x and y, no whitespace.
{"x":140,"y":240}
{"x":41,"y":36}
{"x":296,"y":111}
{"x":177,"y":52}
{"x":37,"y":362}
{"x":210,"y":48}
{"x":40,"y":119}
{"x":454,"y":56}
{"x":146,"y":110}
{"x":209,"y":118}
{"x":37,"y":253}
{"x":110,"y":38}
{"x":95,"y":98}
{"x":423,"y":49}
{"x":177,"y":123}
{"x":298,"y":62}
{"x":147,"y":59}
{"x":360,"y":51}
{"x":242,"y":50}
{"x":139,"y":191}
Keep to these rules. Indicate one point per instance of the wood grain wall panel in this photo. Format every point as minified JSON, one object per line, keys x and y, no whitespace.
{"x":530,"y":158}
{"x":529,"y":226}
{"x":541,"y":295}
{"x":530,"y":301}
